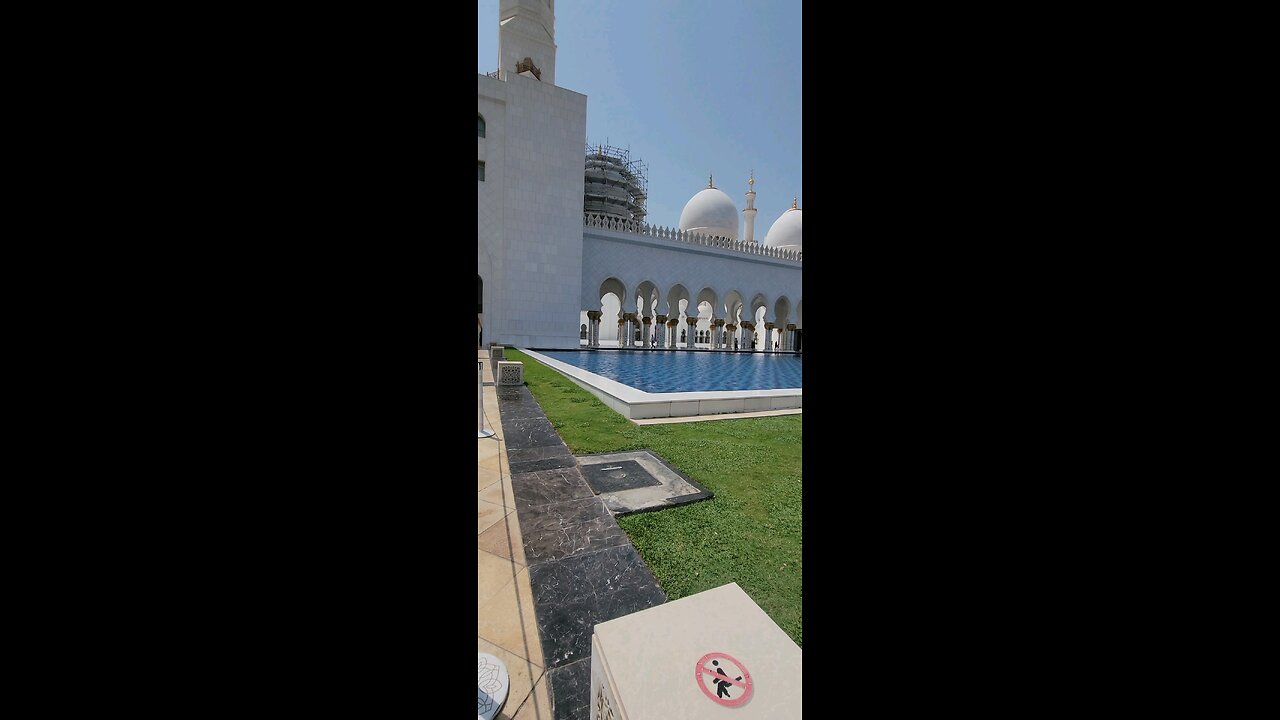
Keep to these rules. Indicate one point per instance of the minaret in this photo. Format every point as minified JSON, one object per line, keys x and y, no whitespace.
{"x":527,"y":30}
{"x":750,"y":211}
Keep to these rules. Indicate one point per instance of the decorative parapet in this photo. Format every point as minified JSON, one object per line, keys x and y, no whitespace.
{"x":606,"y":222}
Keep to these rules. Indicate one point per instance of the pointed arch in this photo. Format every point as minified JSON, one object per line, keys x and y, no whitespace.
{"x":782,"y":310}
{"x":733,"y":306}
{"x":648,"y":296}
{"x":675,"y":294}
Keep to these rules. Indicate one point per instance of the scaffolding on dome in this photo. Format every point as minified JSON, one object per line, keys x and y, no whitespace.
{"x":615,"y":184}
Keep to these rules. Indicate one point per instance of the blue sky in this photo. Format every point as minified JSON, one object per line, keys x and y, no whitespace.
{"x":693,"y":87}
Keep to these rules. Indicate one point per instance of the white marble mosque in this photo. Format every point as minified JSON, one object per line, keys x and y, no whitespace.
{"x":567,"y":256}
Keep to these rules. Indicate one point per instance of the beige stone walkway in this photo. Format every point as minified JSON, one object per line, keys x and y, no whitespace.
{"x":507,"y":627}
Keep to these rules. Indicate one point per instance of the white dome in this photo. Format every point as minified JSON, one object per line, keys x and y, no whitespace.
{"x":711,"y":212}
{"x":785,"y":232}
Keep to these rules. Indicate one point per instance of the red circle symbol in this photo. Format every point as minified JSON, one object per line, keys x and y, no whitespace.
{"x":724,"y":678}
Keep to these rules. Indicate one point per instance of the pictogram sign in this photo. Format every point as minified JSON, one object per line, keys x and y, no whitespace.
{"x":724,"y":679}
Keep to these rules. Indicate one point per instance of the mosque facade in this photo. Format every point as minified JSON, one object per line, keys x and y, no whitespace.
{"x":566,"y":254}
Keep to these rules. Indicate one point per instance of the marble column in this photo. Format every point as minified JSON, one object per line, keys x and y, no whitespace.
{"x":591,"y":328}
{"x":659,"y":328}
{"x":692,"y":322}
{"x":791,"y":337}
{"x":719,"y":323}
{"x":748,"y":328}
{"x":731,"y":339}
{"x":768,"y":337}
{"x":644,"y":338}
{"x":673,"y":324}
{"x":622,"y":331}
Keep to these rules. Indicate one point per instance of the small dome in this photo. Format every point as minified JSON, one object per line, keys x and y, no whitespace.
{"x":711,"y":212}
{"x":785,"y":232}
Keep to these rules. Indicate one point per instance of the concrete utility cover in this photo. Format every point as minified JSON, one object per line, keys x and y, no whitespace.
{"x":638,"y":480}
{"x":615,"y":476}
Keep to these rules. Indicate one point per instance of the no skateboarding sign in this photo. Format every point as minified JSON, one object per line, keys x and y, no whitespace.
{"x":724,"y":679}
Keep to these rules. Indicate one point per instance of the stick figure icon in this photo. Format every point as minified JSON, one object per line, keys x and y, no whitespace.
{"x":722,"y":686}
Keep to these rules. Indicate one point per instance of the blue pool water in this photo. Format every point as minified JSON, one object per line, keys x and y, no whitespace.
{"x":675,"y":371}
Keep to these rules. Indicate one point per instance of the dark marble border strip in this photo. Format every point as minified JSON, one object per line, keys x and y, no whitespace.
{"x":571,"y":595}
{"x":571,"y":547}
{"x":551,"y":463}
{"x":571,"y":681}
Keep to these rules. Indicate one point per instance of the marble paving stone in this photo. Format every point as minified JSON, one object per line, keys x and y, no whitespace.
{"x":549,"y":486}
{"x":487,"y":514}
{"x":519,"y":406}
{"x":507,"y":392}
{"x":510,"y":621}
{"x":538,"y":705}
{"x":550,"y":463}
{"x":575,"y":593}
{"x":486,"y":477}
{"x":530,"y":433}
{"x":496,"y":495}
{"x":503,"y":539}
{"x":495,"y":462}
{"x":538,"y":453}
{"x":555,"y":543}
{"x":571,"y":690}
{"x":523,"y":675}
{"x":492,"y":574}
{"x":615,"y":476}
{"x":486,"y":448}
{"x":559,"y":514}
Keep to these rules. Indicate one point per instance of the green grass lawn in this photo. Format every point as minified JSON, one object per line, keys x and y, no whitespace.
{"x":749,"y":533}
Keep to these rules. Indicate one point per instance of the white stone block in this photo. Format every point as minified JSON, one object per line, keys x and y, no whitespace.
{"x":510,"y":372}
{"x":785,"y":402}
{"x":716,"y":407}
{"x":642,"y":411}
{"x":684,"y":408}
{"x":663,"y":663}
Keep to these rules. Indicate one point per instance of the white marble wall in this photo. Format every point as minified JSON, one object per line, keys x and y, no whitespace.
{"x":633,"y":259}
{"x":530,"y":219}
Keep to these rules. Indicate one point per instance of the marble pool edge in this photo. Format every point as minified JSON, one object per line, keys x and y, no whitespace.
{"x":635,"y":404}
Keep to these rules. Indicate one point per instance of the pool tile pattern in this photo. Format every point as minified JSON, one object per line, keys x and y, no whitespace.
{"x":662,"y":371}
